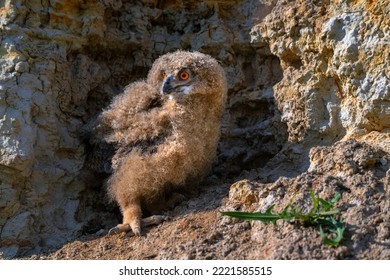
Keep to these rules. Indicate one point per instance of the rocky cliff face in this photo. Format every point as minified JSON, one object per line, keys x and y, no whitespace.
{"x":301,"y":74}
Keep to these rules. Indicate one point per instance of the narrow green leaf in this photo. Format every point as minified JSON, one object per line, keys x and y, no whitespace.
{"x":315,"y":202}
{"x":322,"y":214}
{"x":335,"y":199}
{"x":264,"y":217}
{"x":329,"y":212}
{"x":324,"y":204}
{"x":332,"y":241}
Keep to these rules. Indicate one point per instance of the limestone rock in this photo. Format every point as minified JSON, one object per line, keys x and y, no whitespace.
{"x":335,"y":61}
{"x":350,"y":168}
{"x":62,"y":62}
{"x":302,"y":75}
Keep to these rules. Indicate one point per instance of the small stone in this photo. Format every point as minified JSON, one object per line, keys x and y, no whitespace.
{"x":35,"y":257}
{"x":100,"y":232}
{"x":9,"y":252}
{"x":383,"y":161}
{"x":22,"y":67}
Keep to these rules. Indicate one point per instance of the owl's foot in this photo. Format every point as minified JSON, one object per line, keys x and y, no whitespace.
{"x":153,"y":220}
{"x":119,"y":228}
{"x":131,"y":220}
{"x":146,"y":222}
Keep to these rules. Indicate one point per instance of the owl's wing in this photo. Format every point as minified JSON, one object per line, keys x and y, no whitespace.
{"x":130,"y":115}
{"x":98,"y":151}
{"x":135,"y":119}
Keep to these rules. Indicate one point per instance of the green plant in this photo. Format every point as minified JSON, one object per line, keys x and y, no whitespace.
{"x":322,"y":215}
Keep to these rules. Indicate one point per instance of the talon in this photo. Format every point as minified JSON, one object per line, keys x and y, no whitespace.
{"x":154,"y":220}
{"x":137,"y":231}
{"x":114,"y":230}
{"x":119,"y":228}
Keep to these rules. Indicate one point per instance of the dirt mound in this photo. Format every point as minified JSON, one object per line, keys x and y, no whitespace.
{"x":198,"y":231}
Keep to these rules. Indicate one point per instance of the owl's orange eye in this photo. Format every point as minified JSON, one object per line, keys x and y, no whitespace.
{"x":183,"y":75}
{"x":164,"y":74}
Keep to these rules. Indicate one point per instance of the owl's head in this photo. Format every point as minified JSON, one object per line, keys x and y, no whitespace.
{"x":182,"y":74}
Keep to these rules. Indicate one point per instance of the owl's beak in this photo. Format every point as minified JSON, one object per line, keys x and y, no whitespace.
{"x":167,"y":87}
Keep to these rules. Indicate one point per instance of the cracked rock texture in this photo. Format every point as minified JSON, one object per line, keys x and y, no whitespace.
{"x":351,"y":168}
{"x":308,"y":105}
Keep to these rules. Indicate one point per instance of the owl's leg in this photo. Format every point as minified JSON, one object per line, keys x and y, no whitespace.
{"x":146,"y":222}
{"x":131,"y":220}
{"x":153,"y":220}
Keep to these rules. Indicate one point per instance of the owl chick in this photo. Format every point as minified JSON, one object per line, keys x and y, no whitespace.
{"x":164,"y":131}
